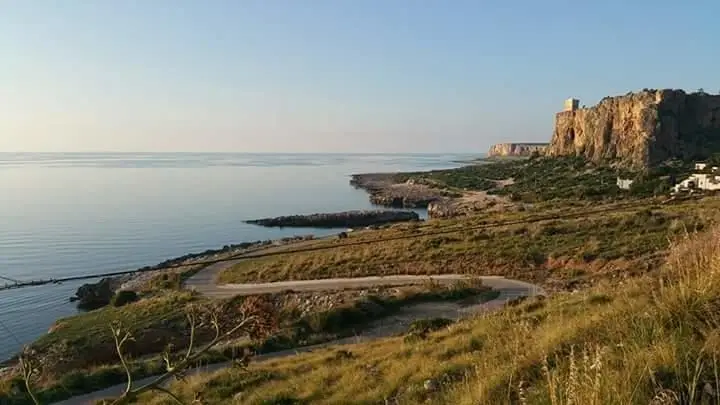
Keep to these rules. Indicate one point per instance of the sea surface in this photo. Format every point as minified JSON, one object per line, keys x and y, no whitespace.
{"x":66,"y":214}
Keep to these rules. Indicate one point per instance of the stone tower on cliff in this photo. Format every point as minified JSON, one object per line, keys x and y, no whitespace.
{"x":571,"y":104}
{"x":640,"y":129}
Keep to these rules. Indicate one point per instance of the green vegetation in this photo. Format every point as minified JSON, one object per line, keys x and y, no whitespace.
{"x":653,"y":340}
{"x":123,"y":298}
{"x":543,"y":179}
{"x":85,"y":340}
{"x":421,"y":328}
{"x":171,"y":280}
{"x":579,"y":231}
{"x":344,"y":321}
{"x":79,"y":355}
{"x":579,"y":244}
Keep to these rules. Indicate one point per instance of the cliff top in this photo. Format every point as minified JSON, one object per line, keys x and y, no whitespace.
{"x":653,"y":96}
{"x":522,"y":143}
{"x":641,"y":129}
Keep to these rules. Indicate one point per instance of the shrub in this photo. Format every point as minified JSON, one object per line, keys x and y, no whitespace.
{"x":123,"y":298}
{"x":424,"y":326}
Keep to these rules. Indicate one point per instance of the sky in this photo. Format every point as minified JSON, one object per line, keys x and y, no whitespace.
{"x":331,"y":75}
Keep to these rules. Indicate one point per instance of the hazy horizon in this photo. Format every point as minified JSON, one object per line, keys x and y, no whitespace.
{"x":169,"y":152}
{"x":330,"y":76}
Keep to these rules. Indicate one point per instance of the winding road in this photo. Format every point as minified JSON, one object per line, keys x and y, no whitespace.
{"x":204,"y":282}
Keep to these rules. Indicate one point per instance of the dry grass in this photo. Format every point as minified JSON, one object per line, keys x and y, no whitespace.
{"x":78,"y":356}
{"x":655,"y":339}
{"x":616,"y":241}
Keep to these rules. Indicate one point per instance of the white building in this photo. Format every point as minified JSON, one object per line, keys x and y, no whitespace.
{"x":701,"y":181}
{"x":624,"y":184}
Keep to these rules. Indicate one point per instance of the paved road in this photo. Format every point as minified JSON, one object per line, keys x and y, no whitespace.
{"x":204,"y":282}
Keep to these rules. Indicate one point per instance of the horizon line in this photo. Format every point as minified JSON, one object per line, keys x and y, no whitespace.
{"x":238,"y":152}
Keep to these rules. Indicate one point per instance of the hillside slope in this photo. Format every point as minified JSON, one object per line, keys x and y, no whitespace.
{"x":654,"y":339}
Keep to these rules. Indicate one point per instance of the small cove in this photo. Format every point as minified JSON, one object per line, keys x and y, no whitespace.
{"x":82,"y":213}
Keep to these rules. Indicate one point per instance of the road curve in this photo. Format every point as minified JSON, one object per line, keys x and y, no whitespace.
{"x":204,"y":282}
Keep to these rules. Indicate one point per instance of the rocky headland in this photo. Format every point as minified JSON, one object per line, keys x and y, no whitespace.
{"x":421,"y":191}
{"x":346,"y":219}
{"x":387,"y":190}
{"x":517,"y":149}
{"x":469,"y":204}
{"x":641,"y":129}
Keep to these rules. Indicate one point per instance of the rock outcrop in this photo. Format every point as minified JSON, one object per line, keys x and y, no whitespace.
{"x":96,"y":295}
{"x":387,"y":191}
{"x":339,"y":219}
{"x":469,"y":205}
{"x":516,"y":149}
{"x":641,"y":129}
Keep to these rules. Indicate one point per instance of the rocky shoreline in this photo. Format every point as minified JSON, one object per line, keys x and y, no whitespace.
{"x":404,"y":190}
{"x":346,"y":219}
{"x":385,"y":190}
{"x":95,"y":295}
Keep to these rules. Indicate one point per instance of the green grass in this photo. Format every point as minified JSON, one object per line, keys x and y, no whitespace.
{"x":152,"y":321}
{"x":654,"y":339}
{"x":171,"y":280}
{"x":79,"y":353}
{"x":91,"y":363}
{"x":564,"y":251}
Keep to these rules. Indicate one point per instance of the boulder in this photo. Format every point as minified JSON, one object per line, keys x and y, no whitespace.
{"x":95,"y":295}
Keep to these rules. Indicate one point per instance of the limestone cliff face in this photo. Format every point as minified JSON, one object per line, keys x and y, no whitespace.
{"x":516,"y":149}
{"x":641,"y":129}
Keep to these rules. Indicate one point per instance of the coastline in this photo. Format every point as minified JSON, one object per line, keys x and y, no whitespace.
{"x":165,"y":231}
{"x":418,"y":189}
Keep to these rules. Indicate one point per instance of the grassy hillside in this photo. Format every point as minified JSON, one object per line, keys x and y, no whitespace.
{"x":544,"y":179}
{"x":653,"y":339}
{"x":564,"y":246}
{"x":79,"y":356}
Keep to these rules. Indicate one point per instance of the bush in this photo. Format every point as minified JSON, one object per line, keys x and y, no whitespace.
{"x":424,"y":326}
{"x":123,"y":298}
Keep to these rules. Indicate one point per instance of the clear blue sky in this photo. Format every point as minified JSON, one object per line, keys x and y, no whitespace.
{"x":331,"y":75}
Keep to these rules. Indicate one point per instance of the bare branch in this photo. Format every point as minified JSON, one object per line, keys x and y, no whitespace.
{"x":215,"y":321}
{"x":166,"y":358}
{"x":117,"y":330}
{"x":192,"y":321}
{"x":186,"y":362}
{"x":28,"y":370}
{"x":257,"y":318}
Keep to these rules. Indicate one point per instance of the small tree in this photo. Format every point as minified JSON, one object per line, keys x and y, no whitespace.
{"x":255,"y":318}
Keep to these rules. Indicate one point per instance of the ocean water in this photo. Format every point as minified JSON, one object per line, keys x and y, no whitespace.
{"x":83,"y":213}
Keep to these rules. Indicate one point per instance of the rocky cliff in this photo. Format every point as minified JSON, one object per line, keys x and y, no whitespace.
{"x":641,"y":129}
{"x":516,"y":149}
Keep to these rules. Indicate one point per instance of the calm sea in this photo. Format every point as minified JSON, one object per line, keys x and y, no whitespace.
{"x":82,"y":213}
